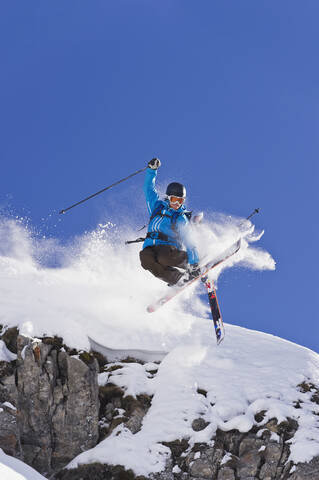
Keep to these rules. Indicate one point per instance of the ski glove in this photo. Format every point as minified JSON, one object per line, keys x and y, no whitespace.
{"x":194,"y":271}
{"x":154,"y":164}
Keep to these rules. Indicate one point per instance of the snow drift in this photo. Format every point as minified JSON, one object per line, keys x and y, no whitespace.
{"x":13,"y":469}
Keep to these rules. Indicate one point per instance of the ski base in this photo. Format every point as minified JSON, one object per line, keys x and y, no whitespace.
{"x":215,"y":310}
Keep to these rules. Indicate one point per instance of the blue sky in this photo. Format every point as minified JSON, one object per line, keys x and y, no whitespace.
{"x":225,"y":93}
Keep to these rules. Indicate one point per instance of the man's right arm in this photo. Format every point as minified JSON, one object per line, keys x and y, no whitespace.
{"x":150,"y":192}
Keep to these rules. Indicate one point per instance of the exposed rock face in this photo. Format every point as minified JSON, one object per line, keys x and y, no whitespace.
{"x":9,"y":432}
{"x":112,"y":401}
{"x":234,"y":456}
{"x":96,"y":471}
{"x":56,"y":396}
{"x":307,"y":471}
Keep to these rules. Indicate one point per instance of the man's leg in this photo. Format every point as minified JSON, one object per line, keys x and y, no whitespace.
{"x":149,"y":262}
{"x":160,"y":259}
{"x":168,"y":255}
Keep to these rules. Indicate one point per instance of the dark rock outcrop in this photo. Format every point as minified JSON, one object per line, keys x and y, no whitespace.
{"x":96,"y":471}
{"x":56,"y":396}
{"x":9,"y":432}
{"x":307,"y":471}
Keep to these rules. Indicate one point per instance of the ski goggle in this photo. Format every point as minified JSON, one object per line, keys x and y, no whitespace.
{"x":178,"y":200}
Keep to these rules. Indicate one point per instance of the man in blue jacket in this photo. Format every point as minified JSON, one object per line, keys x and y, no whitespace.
{"x":169,"y":233}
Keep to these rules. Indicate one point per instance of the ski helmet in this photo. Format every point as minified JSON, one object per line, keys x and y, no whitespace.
{"x":176,"y":189}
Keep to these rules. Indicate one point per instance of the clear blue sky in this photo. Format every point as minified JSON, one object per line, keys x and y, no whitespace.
{"x":226,"y":93}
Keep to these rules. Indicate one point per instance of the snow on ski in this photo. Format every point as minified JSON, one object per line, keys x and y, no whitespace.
{"x":215,"y":310}
{"x":206,"y":268}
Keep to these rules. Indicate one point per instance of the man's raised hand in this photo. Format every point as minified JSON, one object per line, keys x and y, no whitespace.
{"x":154,"y":164}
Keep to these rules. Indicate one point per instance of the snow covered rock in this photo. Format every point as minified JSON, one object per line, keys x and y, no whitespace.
{"x":248,"y":410}
{"x":231,"y":456}
{"x":232,"y":413}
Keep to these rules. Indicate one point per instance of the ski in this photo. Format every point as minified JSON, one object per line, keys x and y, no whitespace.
{"x":205,"y":269}
{"x":215,"y":310}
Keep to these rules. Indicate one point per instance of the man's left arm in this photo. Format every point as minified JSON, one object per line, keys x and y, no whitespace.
{"x":185,"y":231}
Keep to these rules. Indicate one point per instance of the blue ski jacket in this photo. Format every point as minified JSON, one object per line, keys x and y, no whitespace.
{"x":167,"y":226}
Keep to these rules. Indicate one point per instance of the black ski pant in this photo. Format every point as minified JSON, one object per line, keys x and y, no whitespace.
{"x":160,"y":260}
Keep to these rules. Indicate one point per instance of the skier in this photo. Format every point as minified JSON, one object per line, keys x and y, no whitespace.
{"x":169,"y":230}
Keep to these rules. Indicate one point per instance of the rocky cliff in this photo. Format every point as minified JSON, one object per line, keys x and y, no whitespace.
{"x":52,"y":409}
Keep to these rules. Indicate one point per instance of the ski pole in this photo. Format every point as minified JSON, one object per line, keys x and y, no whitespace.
{"x":257,"y":210}
{"x":103,"y":190}
{"x":253,"y":213}
{"x":138,"y":240}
